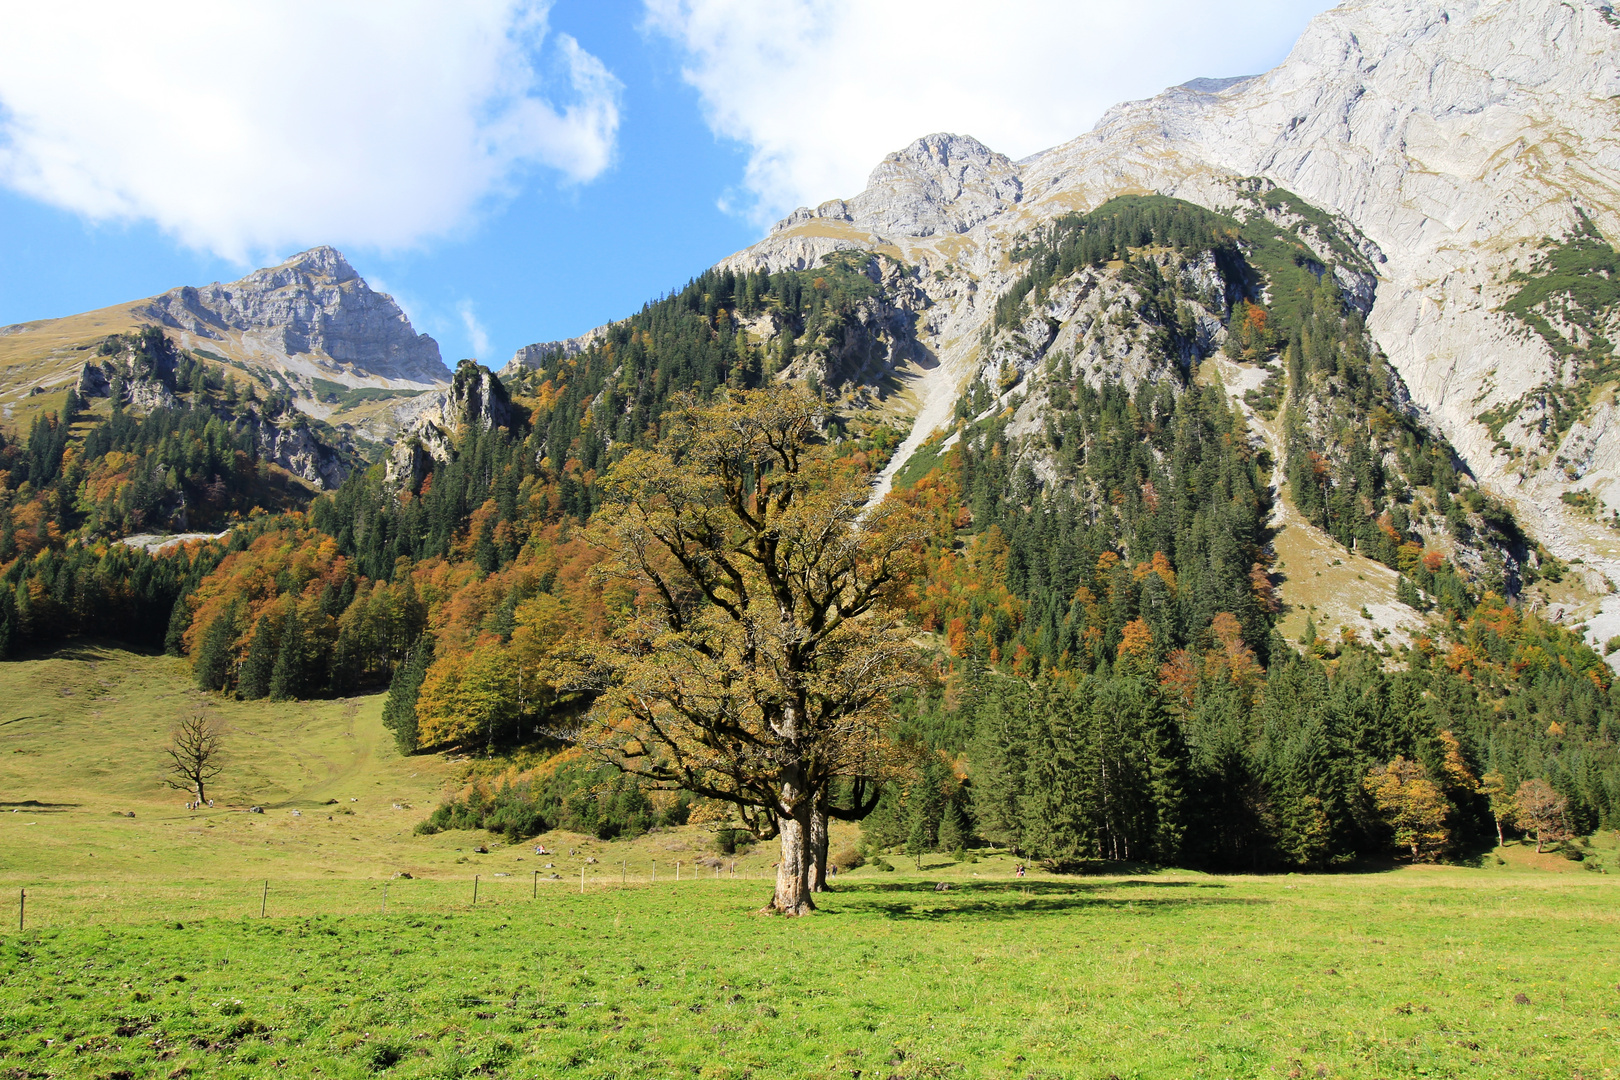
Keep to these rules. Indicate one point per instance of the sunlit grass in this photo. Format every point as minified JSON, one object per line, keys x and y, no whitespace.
{"x":1398,"y":974}
{"x":145,"y":954}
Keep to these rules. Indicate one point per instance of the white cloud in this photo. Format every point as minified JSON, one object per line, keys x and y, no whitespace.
{"x":477,"y":335}
{"x":244,"y":129}
{"x":820,"y":90}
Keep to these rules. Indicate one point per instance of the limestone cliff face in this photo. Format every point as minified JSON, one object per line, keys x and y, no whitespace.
{"x":532,"y":356}
{"x":289,"y":442}
{"x":940,"y":185}
{"x":429,"y":424}
{"x":312,"y":311}
{"x":1448,"y":138}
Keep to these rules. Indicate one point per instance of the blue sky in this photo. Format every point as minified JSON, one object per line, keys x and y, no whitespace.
{"x":516,"y":171}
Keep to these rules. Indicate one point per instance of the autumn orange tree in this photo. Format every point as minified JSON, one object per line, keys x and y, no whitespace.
{"x":757,"y":663}
{"x":1539,"y":808}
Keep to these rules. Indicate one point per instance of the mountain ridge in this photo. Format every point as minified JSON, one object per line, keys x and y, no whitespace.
{"x":1453,"y":137}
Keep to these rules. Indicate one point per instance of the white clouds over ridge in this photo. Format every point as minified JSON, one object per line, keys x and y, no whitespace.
{"x":244,"y":129}
{"x":820,"y":90}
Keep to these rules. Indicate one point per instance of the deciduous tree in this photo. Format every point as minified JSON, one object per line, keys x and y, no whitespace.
{"x":766,"y":640}
{"x":1412,"y":804}
{"x":1495,"y":790}
{"x":195,"y":747}
{"x":1538,"y":808}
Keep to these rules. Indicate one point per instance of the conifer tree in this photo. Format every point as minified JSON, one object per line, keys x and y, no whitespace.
{"x":1053,"y":806}
{"x":399,"y":711}
{"x":1001,"y":754}
{"x":1167,"y":768}
{"x":917,"y":840}
{"x":179,"y":623}
{"x":260,"y":663}
{"x":952,"y":829}
{"x":287,"y":677}
{"x":212,"y":665}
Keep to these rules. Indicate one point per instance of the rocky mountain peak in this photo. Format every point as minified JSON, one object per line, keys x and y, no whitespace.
{"x":1451,"y":143}
{"x":310,"y":311}
{"x":322,"y":262}
{"x":939,"y":185}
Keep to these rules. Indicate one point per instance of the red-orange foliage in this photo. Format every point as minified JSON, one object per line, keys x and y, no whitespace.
{"x":1179,"y":677}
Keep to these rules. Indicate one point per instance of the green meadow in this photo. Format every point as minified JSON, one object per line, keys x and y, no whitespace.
{"x":144,"y":953}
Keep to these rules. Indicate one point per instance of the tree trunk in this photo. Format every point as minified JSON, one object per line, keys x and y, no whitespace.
{"x":1499,"y":841}
{"x":793,"y":872}
{"x":818,"y":842}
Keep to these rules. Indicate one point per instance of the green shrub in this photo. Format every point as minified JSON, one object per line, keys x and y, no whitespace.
{"x":577,"y":796}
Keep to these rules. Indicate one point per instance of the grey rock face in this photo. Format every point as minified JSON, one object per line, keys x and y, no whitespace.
{"x":144,"y":385}
{"x":429,"y":424}
{"x":314,"y":303}
{"x":290,"y":444}
{"x":1452,"y":136}
{"x":93,"y":382}
{"x":532,"y":356}
{"x":941,"y":184}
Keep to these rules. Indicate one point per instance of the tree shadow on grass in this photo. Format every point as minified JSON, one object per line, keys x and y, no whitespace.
{"x":41,"y":807}
{"x":1010,"y":900}
{"x":88,"y":648}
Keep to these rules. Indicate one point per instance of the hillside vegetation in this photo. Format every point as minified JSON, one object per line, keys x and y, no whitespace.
{"x":1099,"y":596}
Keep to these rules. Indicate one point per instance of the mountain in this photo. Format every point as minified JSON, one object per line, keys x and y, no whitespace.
{"x":1466,"y":152}
{"x":308,"y":329}
{"x":1268,"y":418}
{"x":311,"y":315}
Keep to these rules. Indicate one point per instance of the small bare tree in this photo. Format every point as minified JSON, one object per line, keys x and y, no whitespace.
{"x":194,"y":750}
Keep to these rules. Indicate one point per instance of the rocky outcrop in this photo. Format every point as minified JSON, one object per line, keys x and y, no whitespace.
{"x":93,"y":382}
{"x":141,"y":373}
{"x":313,"y":305}
{"x":939,"y":185}
{"x":1451,"y":137}
{"x":431,"y":423}
{"x":290,"y":443}
{"x":531,"y":357}
{"x":856,"y":357}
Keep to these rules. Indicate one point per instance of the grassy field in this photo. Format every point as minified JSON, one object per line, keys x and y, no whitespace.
{"x":145,"y":954}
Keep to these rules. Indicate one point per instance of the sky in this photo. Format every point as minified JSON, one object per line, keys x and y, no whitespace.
{"x":514,"y":171}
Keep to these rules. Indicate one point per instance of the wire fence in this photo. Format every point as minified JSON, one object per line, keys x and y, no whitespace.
{"x":77,"y":904}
